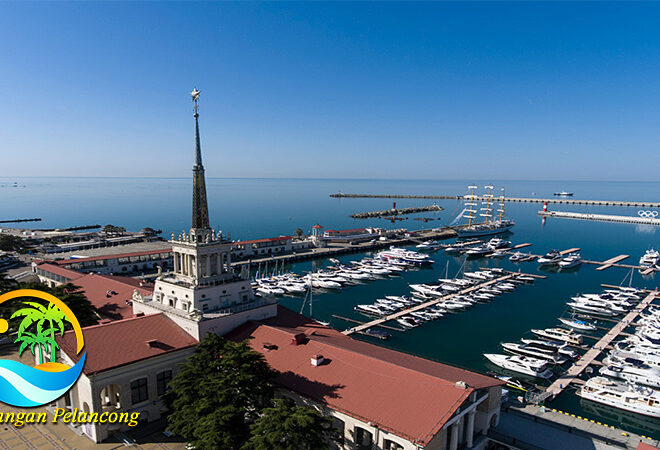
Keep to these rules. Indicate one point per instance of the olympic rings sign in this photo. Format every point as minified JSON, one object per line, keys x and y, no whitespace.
{"x":647,"y":213}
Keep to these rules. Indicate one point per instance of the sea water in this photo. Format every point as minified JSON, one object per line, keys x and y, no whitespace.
{"x":257,"y":208}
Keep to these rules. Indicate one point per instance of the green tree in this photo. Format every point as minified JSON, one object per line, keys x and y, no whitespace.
{"x":299,"y":232}
{"x":113,"y":229}
{"x":36,"y":314}
{"x":285,"y":426}
{"x":218,"y":394}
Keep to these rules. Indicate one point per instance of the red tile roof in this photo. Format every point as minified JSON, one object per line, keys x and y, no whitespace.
{"x":111,"y":306}
{"x":67,"y":273}
{"x":404,"y":394}
{"x":317,"y":226}
{"x":645,"y":446}
{"x":126,"y":341}
{"x":258,"y":241}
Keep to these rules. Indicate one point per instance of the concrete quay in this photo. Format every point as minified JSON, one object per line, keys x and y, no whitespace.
{"x":601,"y":217}
{"x":341,"y":248}
{"x":560,"y":200}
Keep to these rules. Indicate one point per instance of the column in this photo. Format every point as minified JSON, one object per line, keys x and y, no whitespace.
{"x":470,"y":428}
{"x":453,"y":438}
{"x":176,"y":262}
{"x":218,"y":263}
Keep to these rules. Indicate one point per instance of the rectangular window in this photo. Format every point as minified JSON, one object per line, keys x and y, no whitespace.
{"x":391,"y":445}
{"x":161,"y":381}
{"x":362,"y":439}
{"x":139,"y":391}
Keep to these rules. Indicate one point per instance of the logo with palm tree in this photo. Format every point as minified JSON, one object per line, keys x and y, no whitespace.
{"x":44,"y":322}
{"x":23,"y":385}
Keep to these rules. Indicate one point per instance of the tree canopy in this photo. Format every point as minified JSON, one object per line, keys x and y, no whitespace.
{"x":285,"y":426}
{"x":218,"y":394}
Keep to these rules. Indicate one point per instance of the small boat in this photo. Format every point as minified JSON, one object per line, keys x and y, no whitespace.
{"x":521,"y":364}
{"x":578,"y":324}
{"x":563,"y":194}
{"x":479,"y":250}
{"x":407,"y":322}
{"x":379,"y":334}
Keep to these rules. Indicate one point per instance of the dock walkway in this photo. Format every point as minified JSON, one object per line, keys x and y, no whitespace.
{"x":396,"y":315}
{"x":576,"y":369}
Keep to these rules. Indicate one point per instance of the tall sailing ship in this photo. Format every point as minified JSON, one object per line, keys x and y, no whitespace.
{"x":492,"y":223}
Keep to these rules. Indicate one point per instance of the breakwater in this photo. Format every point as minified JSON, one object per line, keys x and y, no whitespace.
{"x":396,"y":212}
{"x":559,"y":200}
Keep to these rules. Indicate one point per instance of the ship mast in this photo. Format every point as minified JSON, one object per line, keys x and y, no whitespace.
{"x":470,"y":205}
{"x":489,"y":204}
{"x":501,"y":210}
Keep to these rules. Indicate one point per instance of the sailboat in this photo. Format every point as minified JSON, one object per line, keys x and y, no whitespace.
{"x":490,"y":225}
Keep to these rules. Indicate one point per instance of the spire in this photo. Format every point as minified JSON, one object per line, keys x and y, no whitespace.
{"x":200,"y":212}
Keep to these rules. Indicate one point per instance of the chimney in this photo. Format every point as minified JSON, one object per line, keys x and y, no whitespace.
{"x":299,"y":339}
{"x":317,"y":360}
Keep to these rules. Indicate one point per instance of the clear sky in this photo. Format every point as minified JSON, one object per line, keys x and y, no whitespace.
{"x":368,"y":90}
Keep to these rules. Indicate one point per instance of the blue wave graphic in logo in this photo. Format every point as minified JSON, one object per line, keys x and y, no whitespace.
{"x":26,"y":386}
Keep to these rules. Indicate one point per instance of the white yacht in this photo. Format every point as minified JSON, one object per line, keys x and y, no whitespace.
{"x":551,"y":258}
{"x":560,"y":347}
{"x":650,"y":258}
{"x":637,"y":371}
{"x":578,"y":324}
{"x":559,"y":334}
{"x":570,"y":261}
{"x":641,"y":400}
{"x":521,"y":364}
{"x":535,"y":352}
{"x":591,"y":309}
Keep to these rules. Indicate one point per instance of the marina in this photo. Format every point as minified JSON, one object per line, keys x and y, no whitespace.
{"x":576,"y":369}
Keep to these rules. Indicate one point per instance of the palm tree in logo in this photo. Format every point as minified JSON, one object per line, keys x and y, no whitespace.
{"x":47,"y":321}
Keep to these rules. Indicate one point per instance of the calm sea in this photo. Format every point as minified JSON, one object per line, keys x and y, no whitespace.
{"x":254,"y":208}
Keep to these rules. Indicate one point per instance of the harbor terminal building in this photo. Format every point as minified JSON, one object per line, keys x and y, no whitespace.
{"x":376,"y":397}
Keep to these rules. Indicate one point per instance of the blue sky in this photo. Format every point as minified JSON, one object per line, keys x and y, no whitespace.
{"x":368,"y":90}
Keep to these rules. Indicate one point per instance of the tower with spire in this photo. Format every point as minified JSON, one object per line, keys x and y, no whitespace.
{"x":202,"y":294}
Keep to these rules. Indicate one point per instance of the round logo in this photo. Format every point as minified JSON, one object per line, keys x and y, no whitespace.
{"x":26,"y":386}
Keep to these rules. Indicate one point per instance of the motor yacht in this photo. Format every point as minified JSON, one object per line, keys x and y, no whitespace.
{"x":551,"y":258}
{"x":640,"y":400}
{"x":479,"y":250}
{"x":632,"y":370}
{"x":545,"y":354}
{"x":650,"y":258}
{"x":591,"y":309}
{"x":578,"y":324}
{"x":497,"y":243}
{"x":521,"y":364}
{"x":570,"y":261}
{"x":559,"y":346}
{"x":559,"y":334}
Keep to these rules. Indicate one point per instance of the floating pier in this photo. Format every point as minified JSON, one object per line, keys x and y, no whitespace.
{"x":601,"y":217}
{"x":561,"y":200}
{"x":588,"y":358}
{"x":396,"y":212}
{"x":396,"y":315}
